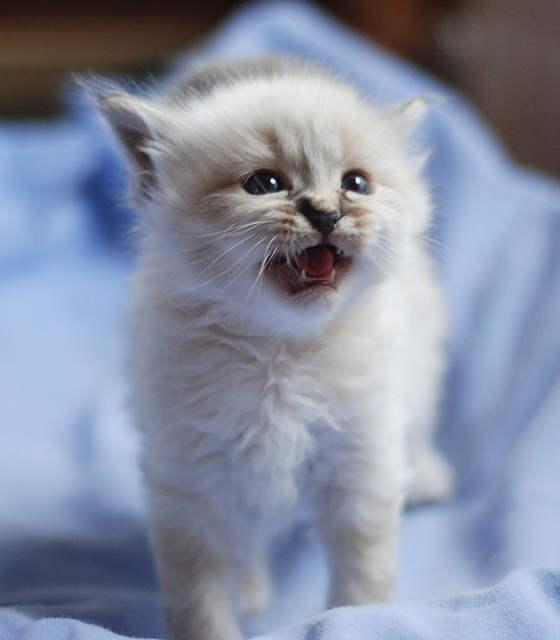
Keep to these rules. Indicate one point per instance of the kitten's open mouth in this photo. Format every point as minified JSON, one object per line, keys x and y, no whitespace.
{"x":320,"y":266}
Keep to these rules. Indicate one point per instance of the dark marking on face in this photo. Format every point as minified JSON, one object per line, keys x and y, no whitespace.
{"x":288,"y":221}
{"x":324,"y":220}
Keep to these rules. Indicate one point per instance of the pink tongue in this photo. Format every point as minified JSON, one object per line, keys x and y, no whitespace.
{"x":317,"y":262}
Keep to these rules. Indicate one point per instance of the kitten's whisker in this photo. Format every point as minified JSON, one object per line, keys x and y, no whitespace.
{"x":241,"y":260}
{"x":219,"y":254}
{"x":382,"y":254}
{"x":223,"y":273}
{"x":238,"y":275}
{"x":234,"y":229}
{"x":225,"y":252}
{"x":233,"y":266}
{"x":441,"y":249}
{"x":266,"y":260}
{"x":385,"y":261}
{"x":196,"y":236}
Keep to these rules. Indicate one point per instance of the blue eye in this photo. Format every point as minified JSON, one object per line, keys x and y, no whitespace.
{"x":262,"y":182}
{"x":356,"y":182}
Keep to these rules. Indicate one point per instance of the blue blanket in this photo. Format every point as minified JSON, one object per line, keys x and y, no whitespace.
{"x":74,"y":556}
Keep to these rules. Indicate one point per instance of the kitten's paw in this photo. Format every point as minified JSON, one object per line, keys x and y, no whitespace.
{"x":432,"y":478}
{"x":254,"y":592}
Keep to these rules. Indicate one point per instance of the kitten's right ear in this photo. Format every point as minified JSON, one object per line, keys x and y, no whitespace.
{"x":409,"y":114}
{"x":138,"y":125}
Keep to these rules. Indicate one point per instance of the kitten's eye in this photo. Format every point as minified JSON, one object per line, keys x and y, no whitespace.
{"x":263,"y":182}
{"x":356,"y":182}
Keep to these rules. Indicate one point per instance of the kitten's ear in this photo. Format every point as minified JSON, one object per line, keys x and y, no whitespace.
{"x":139,"y":126}
{"x":408,"y":115}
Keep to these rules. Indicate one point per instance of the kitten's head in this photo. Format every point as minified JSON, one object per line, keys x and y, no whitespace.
{"x":271,"y":190}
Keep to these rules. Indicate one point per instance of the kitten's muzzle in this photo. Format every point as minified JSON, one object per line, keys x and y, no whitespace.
{"x":321,"y":266}
{"x":322,"y":219}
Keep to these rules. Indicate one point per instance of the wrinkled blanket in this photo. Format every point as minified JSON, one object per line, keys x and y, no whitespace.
{"x":74,"y":555}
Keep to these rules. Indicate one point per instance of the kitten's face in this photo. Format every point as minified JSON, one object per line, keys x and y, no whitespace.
{"x":281,"y":197}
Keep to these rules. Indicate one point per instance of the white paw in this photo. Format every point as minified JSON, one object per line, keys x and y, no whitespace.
{"x":254,"y":592}
{"x":432,"y":478}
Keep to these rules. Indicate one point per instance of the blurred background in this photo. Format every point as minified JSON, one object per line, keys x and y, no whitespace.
{"x":504,"y":54}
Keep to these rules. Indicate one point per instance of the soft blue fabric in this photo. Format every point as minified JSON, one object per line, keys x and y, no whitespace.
{"x":72,"y":532}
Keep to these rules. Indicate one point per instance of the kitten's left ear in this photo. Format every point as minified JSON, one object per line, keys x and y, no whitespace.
{"x":408,"y":115}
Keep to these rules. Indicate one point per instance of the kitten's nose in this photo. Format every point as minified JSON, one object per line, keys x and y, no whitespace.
{"x":324,"y":220}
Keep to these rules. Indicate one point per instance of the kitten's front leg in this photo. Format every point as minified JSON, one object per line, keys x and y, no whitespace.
{"x":254,"y":589}
{"x":196,"y":581}
{"x":362,"y":557}
{"x":359,"y":527}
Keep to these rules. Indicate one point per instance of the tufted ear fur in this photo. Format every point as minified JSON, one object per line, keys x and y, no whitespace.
{"x":140,"y":127}
{"x":408,"y":115}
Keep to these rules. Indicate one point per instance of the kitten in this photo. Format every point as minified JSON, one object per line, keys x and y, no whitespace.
{"x":286,"y":333}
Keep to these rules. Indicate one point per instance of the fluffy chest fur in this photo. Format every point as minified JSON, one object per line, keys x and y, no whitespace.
{"x":256,"y":415}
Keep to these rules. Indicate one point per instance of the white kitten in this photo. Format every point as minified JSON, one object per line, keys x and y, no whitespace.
{"x":286,"y":332}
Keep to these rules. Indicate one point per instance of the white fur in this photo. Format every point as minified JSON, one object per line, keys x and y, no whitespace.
{"x":256,"y":406}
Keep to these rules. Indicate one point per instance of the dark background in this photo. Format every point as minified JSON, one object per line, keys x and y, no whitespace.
{"x":504,"y":54}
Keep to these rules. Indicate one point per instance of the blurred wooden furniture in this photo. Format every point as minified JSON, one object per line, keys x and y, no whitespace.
{"x":42,"y":40}
{"x":504,"y":54}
